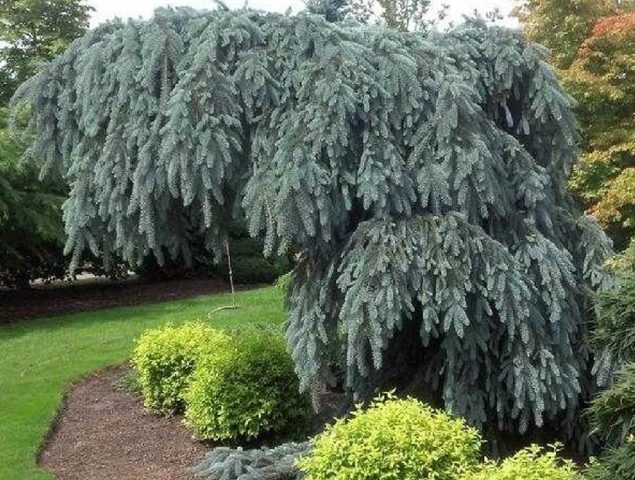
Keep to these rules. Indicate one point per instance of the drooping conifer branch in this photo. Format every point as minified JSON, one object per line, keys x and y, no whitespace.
{"x":422,"y":179}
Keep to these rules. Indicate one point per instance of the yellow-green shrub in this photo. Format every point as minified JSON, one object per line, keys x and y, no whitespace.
{"x":245,"y":391}
{"x":532,"y":463}
{"x":393,"y":440}
{"x":165,"y":358}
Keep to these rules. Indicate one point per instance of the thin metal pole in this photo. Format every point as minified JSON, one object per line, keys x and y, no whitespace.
{"x":231,"y":273}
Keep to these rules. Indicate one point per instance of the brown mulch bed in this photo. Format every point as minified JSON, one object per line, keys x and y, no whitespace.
{"x":47,"y":300}
{"x":103,"y":433}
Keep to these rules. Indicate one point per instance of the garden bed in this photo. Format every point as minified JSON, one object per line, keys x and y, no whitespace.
{"x":47,"y":300}
{"x":103,"y":433}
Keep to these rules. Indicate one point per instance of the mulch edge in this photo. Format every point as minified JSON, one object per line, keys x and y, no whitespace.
{"x":62,"y":406}
{"x":218,"y":286}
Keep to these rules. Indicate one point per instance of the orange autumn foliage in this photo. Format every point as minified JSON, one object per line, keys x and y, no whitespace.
{"x":602,"y":80}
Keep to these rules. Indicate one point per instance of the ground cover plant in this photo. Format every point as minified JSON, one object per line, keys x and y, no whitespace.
{"x":40,"y":358}
{"x":426,"y":197}
{"x":254,"y":464}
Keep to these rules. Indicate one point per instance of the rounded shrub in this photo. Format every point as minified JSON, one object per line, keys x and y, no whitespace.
{"x":245,"y":391}
{"x":532,"y":463}
{"x":164,"y":359}
{"x":393,"y":439}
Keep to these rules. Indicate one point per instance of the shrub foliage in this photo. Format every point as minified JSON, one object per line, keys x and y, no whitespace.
{"x":31,"y":229}
{"x":245,"y":391}
{"x":614,"y":329}
{"x":532,"y":463}
{"x":612,"y":412}
{"x":165,"y":358}
{"x":396,"y":439}
{"x":617,"y":463}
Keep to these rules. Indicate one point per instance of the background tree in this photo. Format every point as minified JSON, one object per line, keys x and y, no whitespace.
{"x":31,"y":229}
{"x":401,"y":15}
{"x":596,"y":50}
{"x":595,"y":47}
{"x":563,"y":25}
{"x":422,"y":181}
{"x":404,"y":15}
{"x":601,"y":80}
{"x":32,"y":32}
{"x":332,"y":10}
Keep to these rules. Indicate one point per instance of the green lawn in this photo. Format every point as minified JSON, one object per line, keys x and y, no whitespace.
{"x":40,"y":358}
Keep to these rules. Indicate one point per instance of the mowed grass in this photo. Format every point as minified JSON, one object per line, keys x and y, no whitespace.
{"x":39,"y":359}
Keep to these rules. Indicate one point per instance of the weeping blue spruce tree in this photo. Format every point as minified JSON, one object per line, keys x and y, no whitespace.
{"x":420,"y":177}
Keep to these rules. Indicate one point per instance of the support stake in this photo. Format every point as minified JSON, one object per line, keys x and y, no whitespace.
{"x":233,"y":306}
{"x":231,"y":273}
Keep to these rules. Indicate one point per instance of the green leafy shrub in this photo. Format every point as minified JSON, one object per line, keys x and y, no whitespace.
{"x":614,"y":464}
{"x":393,"y":439}
{"x":614,"y":329}
{"x":613,"y":410}
{"x":165,"y":358}
{"x":532,"y":463}
{"x":242,"y":392}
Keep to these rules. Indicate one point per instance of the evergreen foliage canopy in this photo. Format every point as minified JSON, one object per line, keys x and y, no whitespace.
{"x":422,"y":179}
